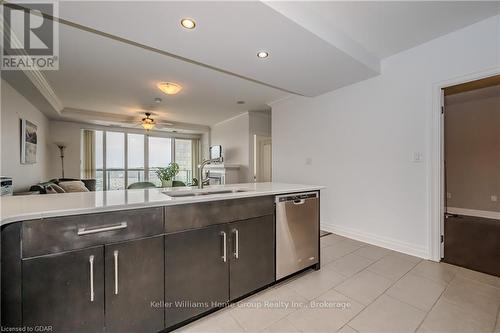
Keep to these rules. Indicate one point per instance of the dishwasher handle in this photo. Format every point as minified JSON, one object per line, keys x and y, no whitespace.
{"x":299,"y":201}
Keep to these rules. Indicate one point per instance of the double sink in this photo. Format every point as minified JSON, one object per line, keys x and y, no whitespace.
{"x":202,"y":192}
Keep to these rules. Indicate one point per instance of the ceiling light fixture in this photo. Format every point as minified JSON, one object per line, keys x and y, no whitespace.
{"x":262,"y":54}
{"x":169,"y":88}
{"x":188,"y":23}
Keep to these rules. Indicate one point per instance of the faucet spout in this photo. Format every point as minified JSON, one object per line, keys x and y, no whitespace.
{"x":202,"y":165}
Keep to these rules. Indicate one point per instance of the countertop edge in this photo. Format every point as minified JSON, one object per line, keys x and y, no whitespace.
{"x":177,"y":201}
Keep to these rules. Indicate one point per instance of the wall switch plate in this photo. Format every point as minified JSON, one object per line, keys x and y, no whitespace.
{"x":417,"y":157}
{"x":448,"y":195}
{"x":494,"y":198}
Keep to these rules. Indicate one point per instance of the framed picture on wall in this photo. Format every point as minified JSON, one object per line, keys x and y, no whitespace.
{"x":28,"y":142}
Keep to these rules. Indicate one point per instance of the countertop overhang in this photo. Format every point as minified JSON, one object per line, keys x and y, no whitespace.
{"x":22,"y":208}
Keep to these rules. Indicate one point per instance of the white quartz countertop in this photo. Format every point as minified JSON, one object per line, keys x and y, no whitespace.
{"x":21,"y":208}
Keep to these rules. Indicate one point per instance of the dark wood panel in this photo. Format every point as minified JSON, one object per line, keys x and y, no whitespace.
{"x":57,"y":291}
{"x":473,"y":242}
{"x":196,"y":277}
{"x":138,"y":304}
{"x":193,"y":216}
{"x":255,"y":267}
{"x":59,"y":234}
{"x":11,"y":297}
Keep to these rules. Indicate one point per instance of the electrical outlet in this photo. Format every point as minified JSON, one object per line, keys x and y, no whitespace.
{"x":448,"y":195}
{"x":494,"y":198}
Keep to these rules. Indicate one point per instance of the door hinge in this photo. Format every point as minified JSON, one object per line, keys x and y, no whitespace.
{"x":442,"y":110}
{"x":442,"y":238}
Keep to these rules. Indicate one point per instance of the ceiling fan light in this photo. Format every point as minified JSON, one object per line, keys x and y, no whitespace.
{"x":148,"y":123}
{"x":148,"y":126}
{"x":169,"y":88}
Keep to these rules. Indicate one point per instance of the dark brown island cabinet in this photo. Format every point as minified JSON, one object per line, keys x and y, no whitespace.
{"x":144,"y":270}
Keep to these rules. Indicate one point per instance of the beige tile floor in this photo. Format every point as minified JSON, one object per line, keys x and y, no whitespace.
{"x":364,"y":288}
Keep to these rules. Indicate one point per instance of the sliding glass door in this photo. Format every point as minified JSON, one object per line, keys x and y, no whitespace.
{"x":160,"y":155}
{"x":121,"y":159}
{"x":135,"y":158}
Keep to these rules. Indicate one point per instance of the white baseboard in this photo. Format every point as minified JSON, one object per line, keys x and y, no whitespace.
{"x":388,"y":243}
{"x":473,"y":212}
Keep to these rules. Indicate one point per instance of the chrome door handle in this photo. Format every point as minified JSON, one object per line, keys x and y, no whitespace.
{"x":224,"y":250}
{"x":115,"y":254}
{"x":91,"y":261}
{"x":86,"y":231}
{"x":237,"y":243}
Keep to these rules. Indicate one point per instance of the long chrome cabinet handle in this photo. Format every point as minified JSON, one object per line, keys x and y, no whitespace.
{"x":115,"y":254}
{"x":86,"y":231}
{"x":224,"y":250}
{"x":237,"y":243}
{"x":91,"y":261}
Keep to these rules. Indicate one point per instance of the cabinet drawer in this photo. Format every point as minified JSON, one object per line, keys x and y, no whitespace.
{"x":198,"y":215}
{"x":59,"y":234}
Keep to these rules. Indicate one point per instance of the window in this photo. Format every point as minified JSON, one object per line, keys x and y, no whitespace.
{"x":184,"y":157}
{"x":115,"y":161}
{"x":160,"y":155}
{"x":99,"y":165}
{"x":135,"y":158}
{"x":120,"y":159}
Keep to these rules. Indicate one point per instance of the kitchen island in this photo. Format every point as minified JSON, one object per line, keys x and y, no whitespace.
{"x":137,"y":260}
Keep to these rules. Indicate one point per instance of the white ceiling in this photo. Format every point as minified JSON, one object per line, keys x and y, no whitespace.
{"x":101,"y":74}
{"x":228,"y":36}
{"x":314,"y":47}
{"x":385,"y":28}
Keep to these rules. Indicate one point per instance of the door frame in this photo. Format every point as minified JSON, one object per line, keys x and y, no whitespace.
{"x":436,"y":180}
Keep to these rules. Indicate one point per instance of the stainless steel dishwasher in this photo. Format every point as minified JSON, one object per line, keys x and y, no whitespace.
{"x":297,"y":232}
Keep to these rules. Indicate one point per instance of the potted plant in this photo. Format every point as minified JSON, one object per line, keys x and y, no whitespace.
{"x":167,"y":174}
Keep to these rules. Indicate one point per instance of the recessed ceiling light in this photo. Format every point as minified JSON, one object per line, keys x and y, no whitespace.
{"x":262,"y":54}
{"x":169,"y":88}
{"x":157,"y":100}
{"x":188,"y":23}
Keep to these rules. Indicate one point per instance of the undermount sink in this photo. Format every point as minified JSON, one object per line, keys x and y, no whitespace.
{"x":197,"y":192}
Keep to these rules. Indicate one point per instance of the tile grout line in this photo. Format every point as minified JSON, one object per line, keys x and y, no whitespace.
{"x":366,"y":268}
{"x":497,"y":322}
{"x":434,"y":304}
{"x":383,"y":293}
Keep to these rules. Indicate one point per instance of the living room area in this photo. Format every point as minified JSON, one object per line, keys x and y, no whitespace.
{"x":69,"y":156}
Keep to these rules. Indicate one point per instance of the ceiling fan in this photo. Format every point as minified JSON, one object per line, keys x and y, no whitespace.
{"x":149,"y":123}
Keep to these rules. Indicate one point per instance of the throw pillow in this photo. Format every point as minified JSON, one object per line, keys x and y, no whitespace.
{"x":73,"y":186}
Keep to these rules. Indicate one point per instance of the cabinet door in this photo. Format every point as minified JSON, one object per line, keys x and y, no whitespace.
{"x":252,"y":255}
{"x":196,"y":272}
{"x":135,"y":286}
{"x":65,"y":291}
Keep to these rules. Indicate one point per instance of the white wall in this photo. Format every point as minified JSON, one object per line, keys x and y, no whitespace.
{"x":233,"y":135}
{"x":69,"y":134}
{"x":236,"y":137}
{"x":360,"y":139}
{"x":13,"y":108}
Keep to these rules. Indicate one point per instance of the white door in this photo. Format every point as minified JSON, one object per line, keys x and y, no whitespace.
{"x":263,"y":159}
